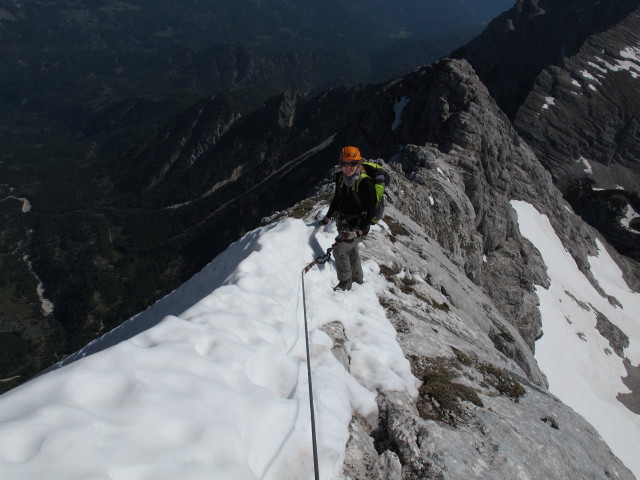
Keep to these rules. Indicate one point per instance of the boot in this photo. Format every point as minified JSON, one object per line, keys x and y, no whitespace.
{"x":343,"y":285}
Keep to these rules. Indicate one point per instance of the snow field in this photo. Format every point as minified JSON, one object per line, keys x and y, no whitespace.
{"x":215,"y":383}
{"x":582,"y":369}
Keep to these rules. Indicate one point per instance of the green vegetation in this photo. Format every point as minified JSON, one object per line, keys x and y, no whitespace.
{"x":444,"y":306}
{"x":304,"y":208}
{"x":501,"y":381}
{"x":388,"y":272}
{"x":406,"y":285}
{"x":395,"y":227}
{"x":441,"y":397}
{"x":498,"y":378}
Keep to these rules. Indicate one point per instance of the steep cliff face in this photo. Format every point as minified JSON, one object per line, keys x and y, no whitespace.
{"x":457,"y":252}
{"x":179,"y":146}
{"x":534,"y":34}
{"x":567,"y":75}
{"x":476,"y":415}
{"x":581,"y":116}
{"x":461,"y":292}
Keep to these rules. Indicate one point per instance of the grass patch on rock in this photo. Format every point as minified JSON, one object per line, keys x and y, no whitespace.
{"x":304,"y":208}
{"x":502,"y":381}
{"x":395,"y":227}
{"x":440,"y":306}
{"x":494,"y":376}
{"x":440,"y":397}
{"x":445,"y":400}
{"x":406,"y":286}
{"x":388,"y":273}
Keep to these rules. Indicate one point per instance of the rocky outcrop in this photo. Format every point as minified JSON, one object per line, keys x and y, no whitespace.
{"x":477,"y":414}
{"x":534,"y":34}
{"x":566,"y":73}
{"x":581,"y":118}
{"x":613,"y":212}
{"x":461,"y":147}
{"x":581,"y":115}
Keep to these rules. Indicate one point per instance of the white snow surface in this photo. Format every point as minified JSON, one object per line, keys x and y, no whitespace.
{"x":219,"y":390}
{"x":548,"y":102}
{"x":587,"y":166}
{"x":398,"y":108}
{"x":630,"y":62}
{"x":630,"y":215}
{"x":578,"y":361}
{"x":587,"y":75}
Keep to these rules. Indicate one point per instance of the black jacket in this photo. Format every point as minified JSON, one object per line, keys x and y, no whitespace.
{"x":355,"y":205}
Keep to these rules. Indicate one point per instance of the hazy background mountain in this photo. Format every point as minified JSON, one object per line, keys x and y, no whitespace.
{"x":96,"y":97}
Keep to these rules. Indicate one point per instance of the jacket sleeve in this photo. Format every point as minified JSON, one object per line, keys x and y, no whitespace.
{"x":367,"y":192}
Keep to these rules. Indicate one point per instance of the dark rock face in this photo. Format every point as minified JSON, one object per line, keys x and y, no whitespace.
{"x":632,"y":380}
{"x":617,"y":338}
{"x":183,"y":142}
{"x":581,"y":116}
{"x":520,"y":43}
{"x":566,"y":73}
{"x":612,"y":212}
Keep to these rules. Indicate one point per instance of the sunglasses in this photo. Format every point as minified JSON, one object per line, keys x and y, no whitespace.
{"x":349,"y":164}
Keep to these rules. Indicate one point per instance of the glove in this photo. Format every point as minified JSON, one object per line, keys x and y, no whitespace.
{"x":325,"y":221}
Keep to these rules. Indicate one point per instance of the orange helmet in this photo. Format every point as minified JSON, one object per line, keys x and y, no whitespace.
{"x":350,"y":153}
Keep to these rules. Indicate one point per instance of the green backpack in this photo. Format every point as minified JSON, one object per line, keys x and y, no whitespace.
{"x":381,"y":179}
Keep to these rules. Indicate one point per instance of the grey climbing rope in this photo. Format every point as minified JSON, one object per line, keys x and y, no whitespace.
{"x":306,"y":336}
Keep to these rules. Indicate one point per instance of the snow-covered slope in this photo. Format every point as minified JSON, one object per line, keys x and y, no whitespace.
{"x":580,"y":364}
{"x":219,"y":390}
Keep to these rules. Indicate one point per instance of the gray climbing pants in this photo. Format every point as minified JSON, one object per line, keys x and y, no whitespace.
{"x":347,"y":260}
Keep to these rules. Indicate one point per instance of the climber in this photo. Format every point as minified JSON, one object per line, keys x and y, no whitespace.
{"x":353,"y":204}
